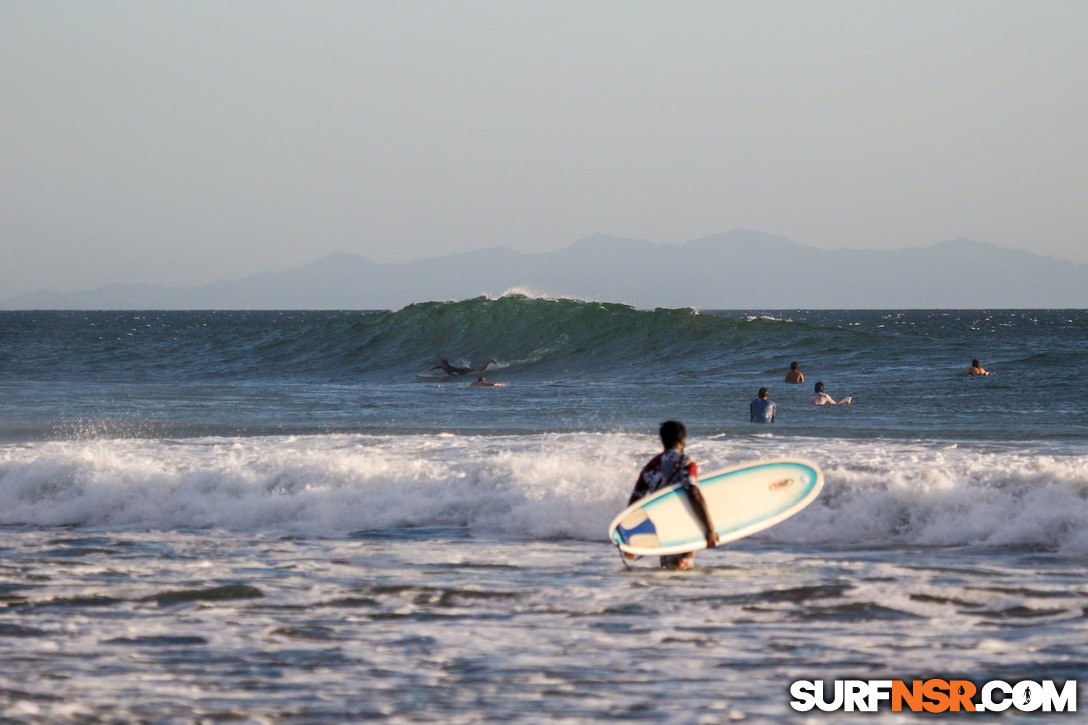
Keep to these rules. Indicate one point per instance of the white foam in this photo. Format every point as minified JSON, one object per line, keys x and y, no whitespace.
{"x":930,"y":494}
{"x":534,"y":486}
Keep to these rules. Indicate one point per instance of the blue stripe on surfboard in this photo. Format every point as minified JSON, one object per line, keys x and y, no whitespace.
{"x":646,"y":527}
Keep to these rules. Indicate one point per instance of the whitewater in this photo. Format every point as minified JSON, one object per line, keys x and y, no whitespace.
{"x":268,"y":517}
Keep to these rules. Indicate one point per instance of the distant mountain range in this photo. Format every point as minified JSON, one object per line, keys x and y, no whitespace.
{"x":735,"y":270}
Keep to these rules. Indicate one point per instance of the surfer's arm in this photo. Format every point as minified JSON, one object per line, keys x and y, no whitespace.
{"x":699,"y":506}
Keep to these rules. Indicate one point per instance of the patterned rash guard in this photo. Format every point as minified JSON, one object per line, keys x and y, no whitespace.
{"x":665,"y":469}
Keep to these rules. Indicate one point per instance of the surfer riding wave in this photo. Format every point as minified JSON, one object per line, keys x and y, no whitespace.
{"x":444,"y":366}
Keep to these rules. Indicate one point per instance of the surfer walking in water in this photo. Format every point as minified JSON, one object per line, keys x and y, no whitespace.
{"x":665,"y":469}
{"x":445,"y":366}
{"x":762,"y":409}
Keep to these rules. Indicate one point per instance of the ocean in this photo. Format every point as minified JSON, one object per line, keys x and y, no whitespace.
{"x":281,"y":517}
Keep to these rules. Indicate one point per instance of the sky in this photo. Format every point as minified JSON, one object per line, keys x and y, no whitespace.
{"x":180,"y":143}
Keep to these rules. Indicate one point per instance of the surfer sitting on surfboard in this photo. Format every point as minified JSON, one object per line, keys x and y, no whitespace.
{"x":670,"y":467}
{"x":458,"y":370}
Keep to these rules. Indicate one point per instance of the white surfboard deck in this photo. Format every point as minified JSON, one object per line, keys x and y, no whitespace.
{"x":741,"y":501}
{"x":439,"y":377}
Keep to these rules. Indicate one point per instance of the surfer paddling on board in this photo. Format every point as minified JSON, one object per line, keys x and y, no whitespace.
{"x":822,"y":398}
{"x":482,"y":382}
{"x":670,"y":467}
{"x":445,"y":366}
{"x":976,"y":369}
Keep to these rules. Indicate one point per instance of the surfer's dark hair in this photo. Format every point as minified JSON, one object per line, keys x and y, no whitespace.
{"x":762,"y":392}
{"x":672,"y":433}
{"x":819,"y":387}
{"x":793,"y":366}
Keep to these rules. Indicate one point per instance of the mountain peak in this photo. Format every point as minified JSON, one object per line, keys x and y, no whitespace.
{"x":739,"y":269}
{"x":747,"y":238}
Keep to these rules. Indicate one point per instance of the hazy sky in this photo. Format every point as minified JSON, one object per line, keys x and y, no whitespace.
{"x":182,"y":142}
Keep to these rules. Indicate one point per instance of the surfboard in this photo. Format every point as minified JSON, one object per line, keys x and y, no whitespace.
{"x":432,"y":377}
{"x":741,"y":501}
